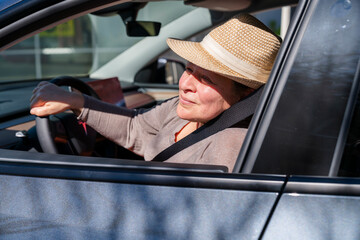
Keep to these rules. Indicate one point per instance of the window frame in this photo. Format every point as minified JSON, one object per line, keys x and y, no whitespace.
{"x":275,"y":88}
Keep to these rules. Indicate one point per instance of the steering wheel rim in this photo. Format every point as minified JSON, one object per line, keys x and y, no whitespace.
{"x":44,"y":130}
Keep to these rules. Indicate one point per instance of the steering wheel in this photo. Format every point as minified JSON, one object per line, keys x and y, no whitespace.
{"x":79,"y":138}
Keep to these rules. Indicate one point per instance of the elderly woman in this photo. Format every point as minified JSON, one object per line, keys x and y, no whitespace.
{"x":232,"y":61}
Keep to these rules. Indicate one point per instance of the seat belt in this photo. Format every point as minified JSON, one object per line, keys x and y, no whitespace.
{"x":235,"y":114}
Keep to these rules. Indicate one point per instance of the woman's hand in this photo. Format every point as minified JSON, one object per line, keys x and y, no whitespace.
{"x":50,"y":99}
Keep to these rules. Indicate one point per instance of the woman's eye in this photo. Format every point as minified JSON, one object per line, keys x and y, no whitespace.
{"x":206,"y":80}
{"x":189,"y":70}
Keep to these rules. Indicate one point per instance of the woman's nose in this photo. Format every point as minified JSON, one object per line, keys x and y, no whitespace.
{"x":187,"y":82}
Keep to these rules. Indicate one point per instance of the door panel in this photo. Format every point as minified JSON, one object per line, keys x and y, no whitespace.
{"x":317,"y":208}
{"x":45,"y":208}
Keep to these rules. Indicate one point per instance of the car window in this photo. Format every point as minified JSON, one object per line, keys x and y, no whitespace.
{"x":350,"y":162}
{"x":68,"y":45}
{"x":304,"y":129}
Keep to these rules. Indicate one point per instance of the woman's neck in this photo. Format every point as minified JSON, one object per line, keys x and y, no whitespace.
{"x":187,"y":129}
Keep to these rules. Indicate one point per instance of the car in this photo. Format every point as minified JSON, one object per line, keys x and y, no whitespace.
{"x":296,"y":176}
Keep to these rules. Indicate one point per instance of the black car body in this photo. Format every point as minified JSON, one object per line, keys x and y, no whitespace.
{"x":297,"y":174}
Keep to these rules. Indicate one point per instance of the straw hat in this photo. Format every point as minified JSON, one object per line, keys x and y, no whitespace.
{"x":242,"y":49}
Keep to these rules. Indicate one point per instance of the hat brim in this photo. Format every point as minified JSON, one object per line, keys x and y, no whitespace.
{"x":196,"y":54}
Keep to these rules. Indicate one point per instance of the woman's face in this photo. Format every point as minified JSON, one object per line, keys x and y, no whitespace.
{"x":203,"y":94}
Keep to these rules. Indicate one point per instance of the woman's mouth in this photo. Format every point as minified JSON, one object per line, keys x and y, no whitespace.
{"x":185,"y":101}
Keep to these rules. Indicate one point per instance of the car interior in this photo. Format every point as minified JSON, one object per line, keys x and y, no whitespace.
{"x":151,"y":81}
{"x":130,"y":67}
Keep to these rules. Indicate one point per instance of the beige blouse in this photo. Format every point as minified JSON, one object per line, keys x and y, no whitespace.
{"x":147,"y":132}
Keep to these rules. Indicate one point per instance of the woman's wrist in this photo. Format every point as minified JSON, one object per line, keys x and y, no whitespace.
{"x":77,"y":103}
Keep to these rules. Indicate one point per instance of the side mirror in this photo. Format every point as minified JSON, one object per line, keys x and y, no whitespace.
{"x":162,"y":71}
{"x":142,"y":28}
{"x":173,"y":70}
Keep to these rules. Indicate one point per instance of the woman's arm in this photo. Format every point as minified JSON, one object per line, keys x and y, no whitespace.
{"x":132,"y":129}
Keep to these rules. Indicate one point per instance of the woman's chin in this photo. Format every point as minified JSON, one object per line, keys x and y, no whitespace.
{"x":185,"y":113}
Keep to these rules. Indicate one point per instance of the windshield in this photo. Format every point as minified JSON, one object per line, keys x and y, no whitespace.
{"x":80,"y":46}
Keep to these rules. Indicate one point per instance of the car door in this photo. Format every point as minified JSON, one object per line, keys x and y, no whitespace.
{"x":309,"y":127}
{"x":47,"y":196}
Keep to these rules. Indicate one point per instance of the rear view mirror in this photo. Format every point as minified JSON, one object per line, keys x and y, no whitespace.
{"x":142,"y":28}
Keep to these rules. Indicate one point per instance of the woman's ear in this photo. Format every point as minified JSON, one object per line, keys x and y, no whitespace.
{"x":248,"y":91}
{"x":242,"y":91}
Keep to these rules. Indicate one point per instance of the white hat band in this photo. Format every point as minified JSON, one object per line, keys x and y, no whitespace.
{"x":232,"y":62}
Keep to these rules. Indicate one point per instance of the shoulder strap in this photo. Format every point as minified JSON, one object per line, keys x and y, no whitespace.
{"x":236,"y":113}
